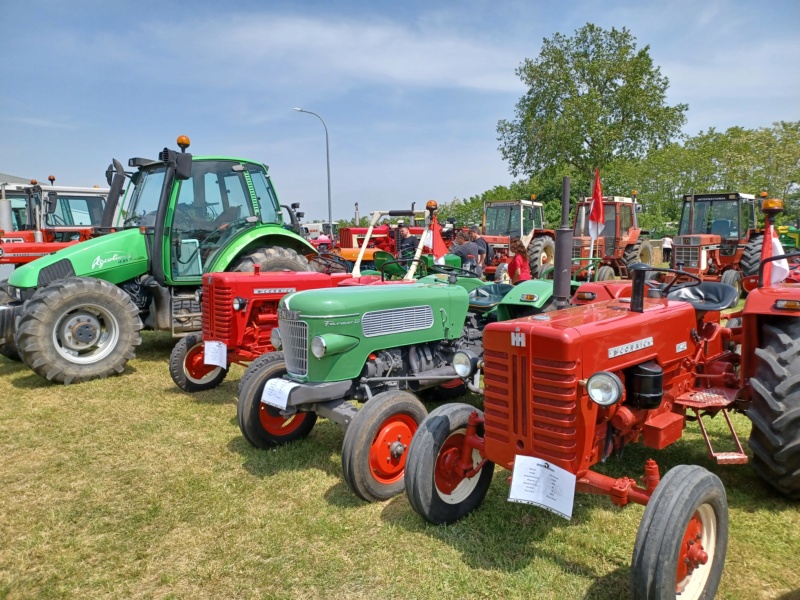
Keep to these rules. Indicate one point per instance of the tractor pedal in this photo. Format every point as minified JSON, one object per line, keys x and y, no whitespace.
{"x":731,"y":458}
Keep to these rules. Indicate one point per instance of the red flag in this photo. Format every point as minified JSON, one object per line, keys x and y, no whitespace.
{"x":778,"y":270}
{"x":439,"y":247}
{"x":596,"y":220}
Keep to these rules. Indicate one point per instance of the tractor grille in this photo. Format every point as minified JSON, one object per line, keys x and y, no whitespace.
{"x":294,"y":335}
{"x":532,"y":406}
{"x":218,"y":321}
{"x":385,"y":322}
{"x":687,"y":255}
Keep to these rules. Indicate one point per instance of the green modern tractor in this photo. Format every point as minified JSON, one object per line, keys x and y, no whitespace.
{"x":76,"y":315}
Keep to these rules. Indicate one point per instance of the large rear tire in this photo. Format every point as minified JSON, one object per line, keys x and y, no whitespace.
{"x":187,"y":369}
{"x":641,"y":252}
{"x":733,"y":278}
{"x":272,"y":258}
{"x":541,"y":255}
{"x":605,"y":273}
{"x":437,"y":492}
{"x":775,"y":410}
{"x":7,"y":318}
{"x":263,"y":425}
{"x":683,"y":537}
{"x":751,"y":257}
{"x":78,"y":329}
{"x":376,"y":444}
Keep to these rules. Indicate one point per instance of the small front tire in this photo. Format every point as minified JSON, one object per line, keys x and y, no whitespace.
{"x":376,"y":444}
{"x":263,"y":425}
{"x":187,"y":369}
{"x":436,"y":491}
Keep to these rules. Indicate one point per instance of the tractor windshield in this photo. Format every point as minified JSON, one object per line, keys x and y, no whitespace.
{"x":715,"y":217}
{"x":581,"y":228}
{"x":144,"y":196}
{"x":503,"y":219}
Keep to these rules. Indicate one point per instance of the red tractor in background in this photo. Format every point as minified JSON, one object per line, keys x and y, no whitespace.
{"x":621,"y":243}
{"x":568,"y":389}
{"x":718,"y":237}
{"x":517,"y":218}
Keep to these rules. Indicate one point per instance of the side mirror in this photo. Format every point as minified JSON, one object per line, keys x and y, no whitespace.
{"x":295,"y":205}
{"x":639,"y":207}
{"x":300,"y":215}
{"x":51,"y":203}
{"x":110,"y":174}
{"x":183,"y":166}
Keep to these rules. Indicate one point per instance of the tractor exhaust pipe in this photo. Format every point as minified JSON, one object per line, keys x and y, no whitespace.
{"x":563,"y":258}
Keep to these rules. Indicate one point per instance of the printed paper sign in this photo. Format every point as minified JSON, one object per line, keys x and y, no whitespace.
{"x":543,"y":484}
{"x":276,"y":392}
{"x":215,"y":353}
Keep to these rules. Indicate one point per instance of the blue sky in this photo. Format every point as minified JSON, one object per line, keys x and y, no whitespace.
{"x":411,"y":91}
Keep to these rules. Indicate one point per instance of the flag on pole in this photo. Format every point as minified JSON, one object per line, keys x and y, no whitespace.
{"x":433,"y":240}
{"x":778,"y":270}
{"x":596,"y":220}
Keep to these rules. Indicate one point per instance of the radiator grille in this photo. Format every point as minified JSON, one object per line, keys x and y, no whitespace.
{"x":218,"y":316}
{"x":294,"y":335}
{"x":687,"y":254}
{"x":385,"y":322}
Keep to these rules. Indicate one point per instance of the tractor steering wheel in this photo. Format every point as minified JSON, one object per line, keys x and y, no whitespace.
{"x":448,"y":269}
{"x":685,"y":279}
{"x":330,"y":263}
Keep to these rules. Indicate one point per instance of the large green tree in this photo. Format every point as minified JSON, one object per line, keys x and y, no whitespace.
{"x":592,"y":98}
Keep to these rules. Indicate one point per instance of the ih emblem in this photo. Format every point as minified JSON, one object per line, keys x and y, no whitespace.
{"x":517,"y":338}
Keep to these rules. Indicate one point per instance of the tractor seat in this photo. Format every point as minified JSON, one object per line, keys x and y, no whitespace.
{"x":484,"y":298}
{"x":709,"y":295}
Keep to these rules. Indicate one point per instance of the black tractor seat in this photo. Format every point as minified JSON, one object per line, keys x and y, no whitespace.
{"x":709,"y":295}
{"x":484,"y":298}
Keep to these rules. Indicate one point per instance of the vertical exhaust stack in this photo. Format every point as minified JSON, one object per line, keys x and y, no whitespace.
{"x":563,"y":258}
{"x":6,"y":220}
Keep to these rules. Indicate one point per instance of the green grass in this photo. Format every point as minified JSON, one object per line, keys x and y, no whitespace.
{"x":129,"y":488}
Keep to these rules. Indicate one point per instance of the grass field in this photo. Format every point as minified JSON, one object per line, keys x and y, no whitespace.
{"x":129,"y":488}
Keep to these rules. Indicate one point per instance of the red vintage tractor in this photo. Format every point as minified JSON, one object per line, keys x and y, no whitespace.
{"x":568,"y":389}
{"x":621,"y":243}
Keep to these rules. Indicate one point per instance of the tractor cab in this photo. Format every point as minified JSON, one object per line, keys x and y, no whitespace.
{"x":718,"y":237}
{"x":620,"y":243}
{"x":517,"y":218}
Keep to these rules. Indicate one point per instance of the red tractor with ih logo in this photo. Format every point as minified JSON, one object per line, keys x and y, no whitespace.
{"x":620,"y":243}
{"x":568,"y":389}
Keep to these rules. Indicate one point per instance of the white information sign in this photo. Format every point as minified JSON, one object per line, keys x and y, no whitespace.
{"x":215,"y":353}
{"x":276,"y":392}
{"x":543,"y":484}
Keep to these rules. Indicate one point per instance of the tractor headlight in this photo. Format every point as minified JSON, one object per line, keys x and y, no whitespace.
{"x":198,"y":295}
{"x":239,"y":303}
{"x":318,"y":346}
{"x":604,"y":388}
{"x":275,"y":338}
{"x":465,"y":363}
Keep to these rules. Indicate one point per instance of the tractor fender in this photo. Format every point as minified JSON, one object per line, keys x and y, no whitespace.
{"x":520,"y":294}
{"x":116,"y":257}
{"x":258,"y":237}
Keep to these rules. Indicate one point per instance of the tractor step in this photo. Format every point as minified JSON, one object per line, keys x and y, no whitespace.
{"x":737,"y":457}
{"x":709,"y":398}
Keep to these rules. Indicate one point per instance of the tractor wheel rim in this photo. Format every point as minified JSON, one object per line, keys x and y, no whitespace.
{"x":195,"y":369}
{"x":547,"y":257}
{"x":86,"y":335}
{"x":452,"y":384}
{"x":389,"y":448}
{"x":276,"y":424}
{"x":696,"y":553}
{"x":450,"y":485}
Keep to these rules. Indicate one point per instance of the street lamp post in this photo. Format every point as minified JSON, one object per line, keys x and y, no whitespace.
{"x":328,"y":161}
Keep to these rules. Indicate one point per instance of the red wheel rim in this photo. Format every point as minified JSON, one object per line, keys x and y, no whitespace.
{"x":388,"y":451}
{"x":453,"y":383}
{"x":445,"y":475}
{"x":195,"y":368}
{"x":276,"y":424}
{"x":692,"y":554}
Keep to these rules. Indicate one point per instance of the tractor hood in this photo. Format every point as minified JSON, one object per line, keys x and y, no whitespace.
{"x":358,"y":321}
{"x":115,"y":257}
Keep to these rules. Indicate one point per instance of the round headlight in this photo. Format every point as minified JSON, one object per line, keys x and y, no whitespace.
{"x":198,"y":295}
{"x":239,"y":303}
{"x":275,"y":338}
{"x":604,"y":388}
{"x":318,"y":346}
{"x":462,"y":363}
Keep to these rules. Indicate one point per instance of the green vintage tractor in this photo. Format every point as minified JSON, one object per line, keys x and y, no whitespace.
{"x":76,"y":315}
{"x":383,"y":344}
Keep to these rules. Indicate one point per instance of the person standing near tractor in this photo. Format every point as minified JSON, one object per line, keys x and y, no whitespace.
{"x":666,"y":248}
{"x":518,"y":268}
{"x":467,"y":251}
{"x":484,"y":256}
{"x":406,"y":243}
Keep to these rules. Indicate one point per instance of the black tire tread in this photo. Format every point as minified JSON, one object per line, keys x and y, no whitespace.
{"x":176,"y":362}
{"x":535,"y":250}
{"x":751,"y":257}
{"x":7,"y":346}
{"x":272,"y":258}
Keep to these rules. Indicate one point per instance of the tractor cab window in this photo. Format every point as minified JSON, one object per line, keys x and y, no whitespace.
{"x":538,"y":217}
{"x":75,"y":210}
{"x":18,"y":220}
{"x":528,"y":219}
{"x":143,"y":203}
{"x":625,"y":219}
{"x":748,"y":218}
{"x":267,"y":199}
{"x":503,"y":220}
{"x":212,"y":206}
{"x":713,"y":217}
